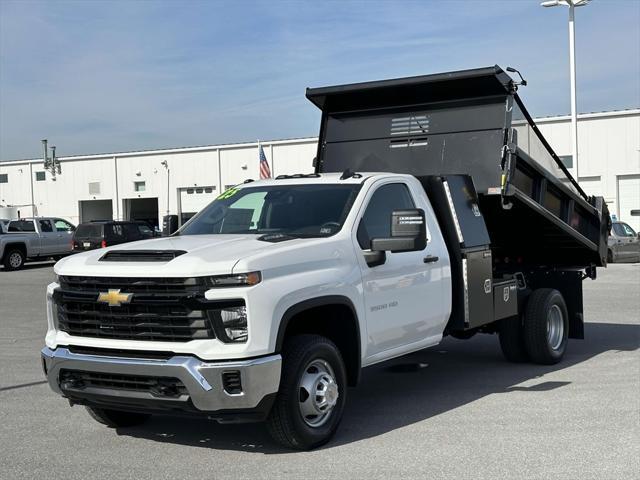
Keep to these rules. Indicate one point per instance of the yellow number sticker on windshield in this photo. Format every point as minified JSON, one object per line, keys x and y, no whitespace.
{"x":228,"y":193}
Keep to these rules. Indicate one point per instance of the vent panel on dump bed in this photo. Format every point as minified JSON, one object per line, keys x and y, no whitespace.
{"x":468,"y":123}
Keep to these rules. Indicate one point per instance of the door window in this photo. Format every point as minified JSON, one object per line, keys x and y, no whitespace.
{"x":144,"y":230}
{"x":63,"y":226}
{"x":623,"y":230}
{"x":115,"y":232}
{"x":131,"y":231}
{"x":376,"y":221}
{"x":22,"y":226}
{"x":45,"y":226}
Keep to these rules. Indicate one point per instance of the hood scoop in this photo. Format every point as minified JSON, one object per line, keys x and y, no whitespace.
{"x":141,"y":255}
{"x":275,"y":237}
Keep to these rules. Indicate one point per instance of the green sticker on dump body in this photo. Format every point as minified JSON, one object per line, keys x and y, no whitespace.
{"x":228,"y":193}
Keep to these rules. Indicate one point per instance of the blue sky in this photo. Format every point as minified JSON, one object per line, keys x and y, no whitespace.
{"x":112,"y":76}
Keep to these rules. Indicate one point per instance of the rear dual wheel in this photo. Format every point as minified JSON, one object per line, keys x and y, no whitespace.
{"x":541,"y":334}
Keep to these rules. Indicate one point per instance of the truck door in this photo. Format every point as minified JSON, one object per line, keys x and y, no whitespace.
{"x":48,"y":237}
{"x":403,"y":297}
{"x":64,"y":231}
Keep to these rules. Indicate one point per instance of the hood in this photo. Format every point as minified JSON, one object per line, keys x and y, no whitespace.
{"x":206,"y":255}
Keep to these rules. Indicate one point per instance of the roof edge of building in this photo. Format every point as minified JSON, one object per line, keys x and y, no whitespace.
{"x":287,"y":141}
{"x":160,"y":151}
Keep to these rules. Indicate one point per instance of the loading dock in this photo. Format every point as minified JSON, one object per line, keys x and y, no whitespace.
{"x":144,"y":209}
{"x":91,"y":210}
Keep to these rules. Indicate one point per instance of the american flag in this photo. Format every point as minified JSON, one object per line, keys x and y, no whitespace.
{"x":265,"y":171}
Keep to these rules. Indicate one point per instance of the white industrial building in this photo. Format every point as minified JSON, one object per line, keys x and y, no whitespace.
{"x":149,"y":184}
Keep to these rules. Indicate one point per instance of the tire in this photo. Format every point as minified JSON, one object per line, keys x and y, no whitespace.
{"x":609,"y":256}
{"x":117,"y":418}
{"x":13,"y":259}
{"x":511,"y":337}
{"x":308,"y":360}
{"x":546,"y":326}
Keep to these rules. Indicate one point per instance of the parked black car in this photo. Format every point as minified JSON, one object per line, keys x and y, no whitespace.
{"x":92,"y":235}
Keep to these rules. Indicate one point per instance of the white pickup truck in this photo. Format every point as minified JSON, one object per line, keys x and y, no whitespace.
{"x":35,"y":239}
{"x":268,"y":303}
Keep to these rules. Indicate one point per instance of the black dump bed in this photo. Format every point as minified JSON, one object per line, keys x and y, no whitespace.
{"x":469,"y":122}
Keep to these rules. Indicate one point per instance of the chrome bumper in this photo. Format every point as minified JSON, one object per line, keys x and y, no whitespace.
{"x":203,"y":380}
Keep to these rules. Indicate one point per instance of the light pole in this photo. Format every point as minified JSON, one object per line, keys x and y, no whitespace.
{"x":165,"y":164}
{"x":572,"y":4}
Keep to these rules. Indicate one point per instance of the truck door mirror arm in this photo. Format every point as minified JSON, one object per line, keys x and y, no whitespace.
{"x":375,"y":258}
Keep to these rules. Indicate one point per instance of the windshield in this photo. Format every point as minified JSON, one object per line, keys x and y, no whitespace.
{"x":292,"y":210}
{"x":623,"y":230}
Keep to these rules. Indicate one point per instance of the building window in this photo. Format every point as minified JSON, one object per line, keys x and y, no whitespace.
{"x":4,"y":178}
{"x":40,"y":177}
{"x":567,"y":160}
{"x":139,"y":186}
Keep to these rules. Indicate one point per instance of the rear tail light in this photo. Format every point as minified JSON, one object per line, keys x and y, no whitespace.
{"x":103,"y":244}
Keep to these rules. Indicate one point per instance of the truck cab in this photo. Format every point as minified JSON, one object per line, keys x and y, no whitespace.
{"x":267,"y":262}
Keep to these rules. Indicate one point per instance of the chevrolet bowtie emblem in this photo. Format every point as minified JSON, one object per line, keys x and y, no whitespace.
{"x":114,"y":298}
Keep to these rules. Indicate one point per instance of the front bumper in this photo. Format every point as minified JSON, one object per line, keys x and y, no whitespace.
{"x":260,"y":378}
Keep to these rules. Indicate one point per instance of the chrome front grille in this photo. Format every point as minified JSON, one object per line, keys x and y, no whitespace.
{"x":159,"y":309}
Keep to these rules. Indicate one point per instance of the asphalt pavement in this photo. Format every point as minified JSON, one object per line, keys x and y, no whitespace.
{"x":456,"y":411}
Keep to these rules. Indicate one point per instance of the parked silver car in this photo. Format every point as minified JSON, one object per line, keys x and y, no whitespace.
{"x":624,"y":244}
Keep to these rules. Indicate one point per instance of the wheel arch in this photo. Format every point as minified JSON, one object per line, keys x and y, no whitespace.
{"x":343,"y":327}
{"x":15,"y":246}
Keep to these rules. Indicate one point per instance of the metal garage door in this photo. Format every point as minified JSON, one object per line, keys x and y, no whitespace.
{"x":194,"y":199}
{"x":629,"y":199}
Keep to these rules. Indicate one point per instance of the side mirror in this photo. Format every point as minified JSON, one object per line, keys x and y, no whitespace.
{"x":408,"y":233}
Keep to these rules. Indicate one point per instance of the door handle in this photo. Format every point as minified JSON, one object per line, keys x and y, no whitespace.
{"x":430,"y":259}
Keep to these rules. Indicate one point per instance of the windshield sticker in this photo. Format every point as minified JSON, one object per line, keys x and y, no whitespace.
{"x":228,"y":193}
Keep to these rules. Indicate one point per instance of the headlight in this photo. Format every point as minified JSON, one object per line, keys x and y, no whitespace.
{"x":230,"y":324}
{"x":235,"y":280}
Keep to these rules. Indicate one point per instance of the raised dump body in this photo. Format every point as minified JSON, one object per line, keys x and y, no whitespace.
{"x":469,"y":122}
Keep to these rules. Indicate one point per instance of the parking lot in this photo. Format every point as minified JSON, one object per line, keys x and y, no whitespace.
{"x":454,"y":411}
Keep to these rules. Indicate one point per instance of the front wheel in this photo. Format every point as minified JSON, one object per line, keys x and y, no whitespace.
{"x":117,"y":418}
{"x":312,"y":395}
{"x":546,"y":326}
